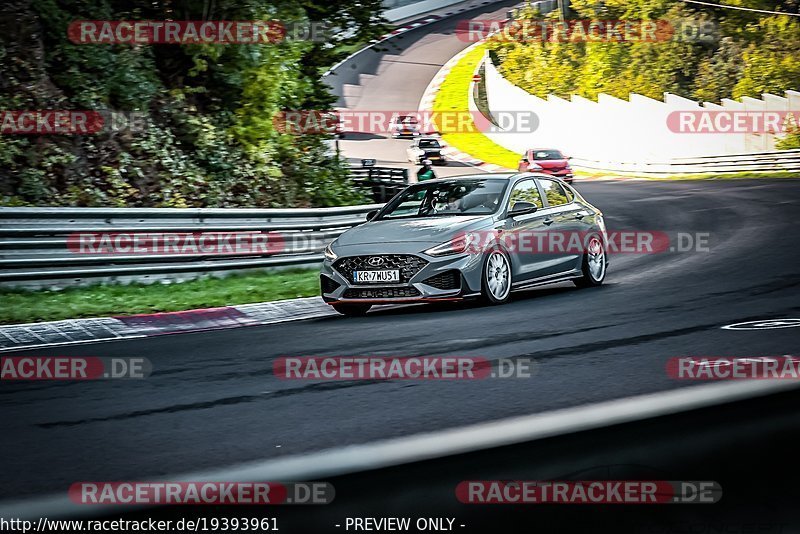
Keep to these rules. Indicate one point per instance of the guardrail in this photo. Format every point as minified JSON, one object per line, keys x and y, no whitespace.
{"x":41,"y":247}
{"x":781,"y":160}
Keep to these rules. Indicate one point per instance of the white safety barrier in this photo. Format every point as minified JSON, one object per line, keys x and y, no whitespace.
{"x":633,"y":135}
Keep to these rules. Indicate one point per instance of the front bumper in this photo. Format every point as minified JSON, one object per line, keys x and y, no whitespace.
{"x":436,"y":159}
{"x":396,"y":134}
{"x":566,"y":175}
{"x":458,"y":277}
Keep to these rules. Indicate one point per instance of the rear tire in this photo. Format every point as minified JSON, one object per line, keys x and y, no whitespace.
{"x":594,"y":264}
{"x":352,"y":310}
{"x":496,"y":278}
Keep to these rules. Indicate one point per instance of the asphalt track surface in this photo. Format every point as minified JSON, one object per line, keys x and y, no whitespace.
{"x":213,"y":401}
{"x":408,"y":64}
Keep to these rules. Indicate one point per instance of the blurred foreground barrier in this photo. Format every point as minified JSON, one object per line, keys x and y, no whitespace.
{"x":739,"y":435}
{"x":59,"y":247}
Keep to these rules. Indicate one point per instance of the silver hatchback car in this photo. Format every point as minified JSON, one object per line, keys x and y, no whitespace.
{"x":469,"y":236}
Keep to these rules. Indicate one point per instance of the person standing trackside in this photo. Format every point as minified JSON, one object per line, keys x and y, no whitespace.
{"x":426,"y":171}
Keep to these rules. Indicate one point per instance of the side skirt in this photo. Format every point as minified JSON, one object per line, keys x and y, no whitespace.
{"x":549,"y":279}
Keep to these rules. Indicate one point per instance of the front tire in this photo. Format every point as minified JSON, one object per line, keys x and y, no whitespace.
{"x":496,"y":278}
{"x":352,"y":310}
{"x":594,"y":264}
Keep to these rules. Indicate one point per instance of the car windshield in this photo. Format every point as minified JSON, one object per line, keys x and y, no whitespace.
{"x":547,"y":154}
{"x":428,"y":143}
{"x":447,"y":198}
{"x":406,"y":119}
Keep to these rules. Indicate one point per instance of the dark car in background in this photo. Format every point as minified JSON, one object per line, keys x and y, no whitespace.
{"x":426,"y":148}
{"x":548,"y":161}
{"x":404,"y":126}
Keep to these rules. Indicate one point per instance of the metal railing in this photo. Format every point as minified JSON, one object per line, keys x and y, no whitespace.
{"x":781,"y":160}
{"x":42,"y":247}
{"x":382,"y":183}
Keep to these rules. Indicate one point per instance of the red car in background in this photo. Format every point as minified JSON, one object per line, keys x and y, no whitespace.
{"x":547,"y":161}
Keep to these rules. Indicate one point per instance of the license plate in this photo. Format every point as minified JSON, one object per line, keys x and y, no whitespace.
{"x":376,"y":276}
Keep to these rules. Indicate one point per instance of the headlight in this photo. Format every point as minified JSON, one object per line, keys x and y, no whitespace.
{"x":454,"y":246}
{"x":330,"y":255}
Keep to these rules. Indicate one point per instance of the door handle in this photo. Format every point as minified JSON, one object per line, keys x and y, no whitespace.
{"x":581,"y":214}
{"x":548,"y":222}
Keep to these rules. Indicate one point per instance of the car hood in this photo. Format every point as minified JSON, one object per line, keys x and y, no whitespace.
{"x":429,"y":230}
{"x":551,"y":163}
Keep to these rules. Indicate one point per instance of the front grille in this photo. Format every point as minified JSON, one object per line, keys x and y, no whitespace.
{"x":445,"y":280}
{"x":407,"y":264}
{"x":381,"y":293}
{"x":327,"y":285}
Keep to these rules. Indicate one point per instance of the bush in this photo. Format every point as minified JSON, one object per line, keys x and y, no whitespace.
{"x":208,"y":138}
{"x":751,"y":54}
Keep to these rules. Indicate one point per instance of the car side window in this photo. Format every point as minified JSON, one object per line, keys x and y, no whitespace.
{"x":555,"y":193}
{"x":410,"y":205}
{"x":570,"y":194}
{"x":525,"y":191}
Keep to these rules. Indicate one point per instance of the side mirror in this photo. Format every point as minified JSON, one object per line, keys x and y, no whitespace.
{"x":522,"y":208}
{"x":569,"y":157}
{"x":525,"y":160}
{"x":371,"y":215}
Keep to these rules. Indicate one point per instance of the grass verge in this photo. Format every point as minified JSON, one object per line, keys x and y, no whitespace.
{"x":453,"y":95}
{"x":27,"y":306}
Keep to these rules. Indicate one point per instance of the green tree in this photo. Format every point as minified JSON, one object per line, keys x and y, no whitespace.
{"x":741,"y":54}
{"x":209,"y":137}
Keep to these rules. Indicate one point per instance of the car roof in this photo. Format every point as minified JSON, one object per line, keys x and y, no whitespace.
{"x":540,"y":175}
{"x":471,"y":177}
{"x":500,"y":175}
